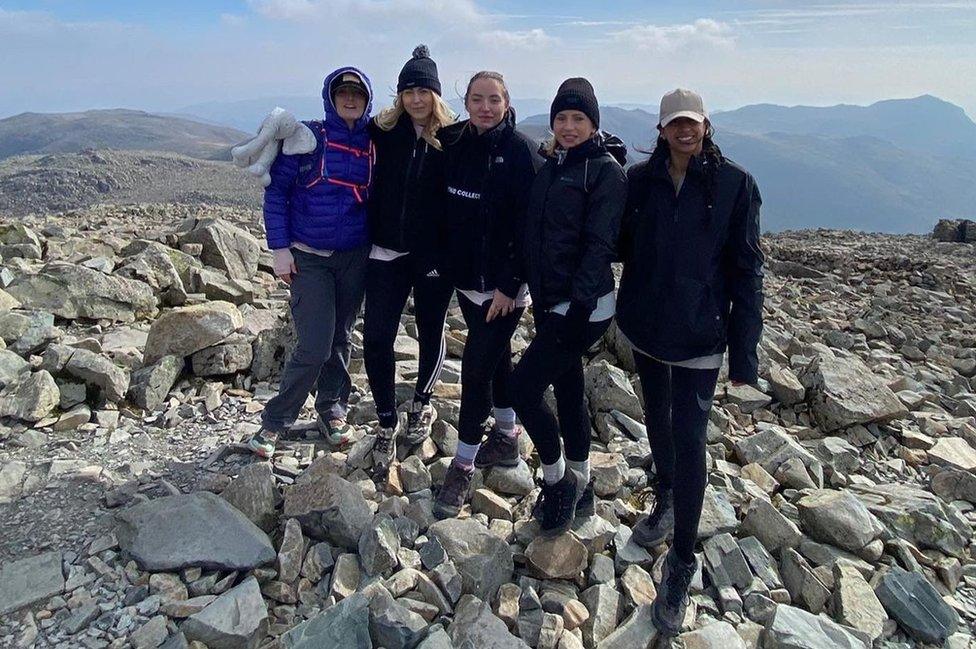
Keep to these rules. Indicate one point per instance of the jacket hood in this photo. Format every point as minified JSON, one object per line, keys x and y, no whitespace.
{"x":331,"y":114}
{"x":602,"y":142}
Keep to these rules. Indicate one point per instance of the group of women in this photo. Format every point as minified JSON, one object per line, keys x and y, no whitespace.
{"x":412,"y":201}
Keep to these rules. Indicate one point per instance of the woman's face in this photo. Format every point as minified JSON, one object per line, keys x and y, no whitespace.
{"x":419,"y":104}
{"x":350,"y":103}
{"x":572,"y":127}
{"x":685,"y":135}
{"x":486,"y":103}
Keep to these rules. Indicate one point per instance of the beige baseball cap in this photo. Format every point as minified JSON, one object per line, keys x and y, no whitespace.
{"x":682,"y":103}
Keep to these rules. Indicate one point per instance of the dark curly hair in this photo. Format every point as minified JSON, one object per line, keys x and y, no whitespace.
{"x":711,"y":157}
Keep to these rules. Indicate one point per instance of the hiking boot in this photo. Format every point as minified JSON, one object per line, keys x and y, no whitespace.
{"x":262,"y":443}
{"x":656,"y":528}
{"x":559,"y":505}
{"x":668,"y":610}
{"x":384,"y":448}
{"x":584,"y":508}
{"x":453,"y":492}
{"x":337,"y":432}
{"x":420,"y":416}
{"x":587,"y":504}
{"x":498,"y":450}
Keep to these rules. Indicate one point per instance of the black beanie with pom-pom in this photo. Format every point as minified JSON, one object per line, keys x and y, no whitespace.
{"x":419,"y":72}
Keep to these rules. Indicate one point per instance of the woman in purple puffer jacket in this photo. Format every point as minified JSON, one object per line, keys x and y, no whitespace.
{"x":315,"y":217}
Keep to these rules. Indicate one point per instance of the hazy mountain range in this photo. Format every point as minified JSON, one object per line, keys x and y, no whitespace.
{"x":894,"y":166}
{"x":120,"y":129}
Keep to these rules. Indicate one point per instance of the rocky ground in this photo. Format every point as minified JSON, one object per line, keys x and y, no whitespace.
{"x":141,"y":343}
{"x":43,"y":184}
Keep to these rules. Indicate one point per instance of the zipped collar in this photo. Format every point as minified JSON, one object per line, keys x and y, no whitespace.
{"x":658,"y":168}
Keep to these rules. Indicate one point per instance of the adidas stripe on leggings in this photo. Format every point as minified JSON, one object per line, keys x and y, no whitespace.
{"x":388,"y":284}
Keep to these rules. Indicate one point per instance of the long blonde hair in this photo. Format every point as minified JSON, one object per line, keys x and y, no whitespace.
{"x":440,"y":116}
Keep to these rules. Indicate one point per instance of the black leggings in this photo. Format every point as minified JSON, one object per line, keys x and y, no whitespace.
{"x":486,"y":366}
{"x":549,"y":362}
{"x":677,"y":401}
{"x":388,"y":284}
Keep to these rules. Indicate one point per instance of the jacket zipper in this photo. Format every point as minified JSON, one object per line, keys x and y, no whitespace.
{"x":484,"y":213}
{"x":406,"y":190}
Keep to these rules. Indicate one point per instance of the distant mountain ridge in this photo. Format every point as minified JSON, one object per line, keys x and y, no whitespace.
{"x":833,"y":174}
{"x":118,"y":129}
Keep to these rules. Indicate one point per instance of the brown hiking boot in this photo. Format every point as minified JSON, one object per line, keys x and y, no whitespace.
{"x":453,"y":492}
{"x":498,"y":450}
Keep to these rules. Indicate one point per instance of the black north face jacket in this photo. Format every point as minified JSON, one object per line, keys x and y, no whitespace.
{"x":693,"y":267}
{"x":573,"y":223}
{"x":486,"y":179}
{"x":406,"y":200}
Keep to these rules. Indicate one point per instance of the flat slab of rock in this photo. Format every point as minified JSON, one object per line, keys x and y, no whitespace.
{"x":844,"y":392}
{"x":194,"y":530}
{"x":344,"y":625}
{"x":911,"y":600}
{"x":794,"y":628}
{"x":73,"y":291}
{"x":30,"y":580}
{"x":918,"y":516}
{"x":484,"y":560}
{"x":238,"y":619}
{"x":954,"y":452}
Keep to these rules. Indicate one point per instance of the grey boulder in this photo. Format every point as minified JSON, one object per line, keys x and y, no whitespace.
{"x":238,"y":619}
{"x":195,"y":530}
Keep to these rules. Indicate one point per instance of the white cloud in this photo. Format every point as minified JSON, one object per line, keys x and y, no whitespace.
{"x":530,"y":39}
{"x":703,"y":31}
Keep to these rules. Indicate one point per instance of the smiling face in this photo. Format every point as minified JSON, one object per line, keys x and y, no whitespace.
{"x":350,"y":103}
{"x":486,"y":103}
{"x":418,"y":104}
{"x":685,"y":135}
{"x":572,"y":127}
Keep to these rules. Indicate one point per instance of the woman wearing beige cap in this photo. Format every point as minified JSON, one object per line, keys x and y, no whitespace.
{"x":690,"y":247}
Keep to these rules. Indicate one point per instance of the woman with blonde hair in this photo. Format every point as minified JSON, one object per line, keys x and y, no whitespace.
{"x":406,"y":251}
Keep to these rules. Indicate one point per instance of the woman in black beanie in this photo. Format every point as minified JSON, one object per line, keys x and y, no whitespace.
{"x":572,"y":226}
{"x":404,"y":203}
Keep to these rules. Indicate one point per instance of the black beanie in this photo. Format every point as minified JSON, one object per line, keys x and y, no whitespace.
{"x":576,"y":94}
{"x":419,"y":72}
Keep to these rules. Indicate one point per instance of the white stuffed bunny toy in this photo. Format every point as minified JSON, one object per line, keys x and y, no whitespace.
{"x":259,"y":153}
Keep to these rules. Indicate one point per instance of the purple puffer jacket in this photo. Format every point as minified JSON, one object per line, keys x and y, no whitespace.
{"x":319,"y":198}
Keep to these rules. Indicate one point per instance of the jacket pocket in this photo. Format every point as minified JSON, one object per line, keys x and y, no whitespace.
{"x":696,"y":321}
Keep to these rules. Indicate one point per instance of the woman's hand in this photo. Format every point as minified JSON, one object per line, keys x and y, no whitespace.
{"x":501,"y":306}
{"x":284,"y":264}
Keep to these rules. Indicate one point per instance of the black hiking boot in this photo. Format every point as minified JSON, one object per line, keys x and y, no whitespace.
{"x":559,"y":505}
{"x":657,"y":527}
{"x":668,"y":610}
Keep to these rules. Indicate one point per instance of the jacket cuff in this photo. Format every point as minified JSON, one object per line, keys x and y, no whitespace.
{"x":509,"y":287}
{"x":578,"y":312}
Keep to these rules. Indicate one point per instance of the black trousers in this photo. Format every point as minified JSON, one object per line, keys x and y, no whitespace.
{"x":326,"y":294}
{"x":677,"y":401}
{"x":486,"y":367}
{"x":388,"y":284}
{"x":547,"y":362}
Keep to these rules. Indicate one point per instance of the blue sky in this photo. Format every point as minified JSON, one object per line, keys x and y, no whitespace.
{"x":58,"y":55}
